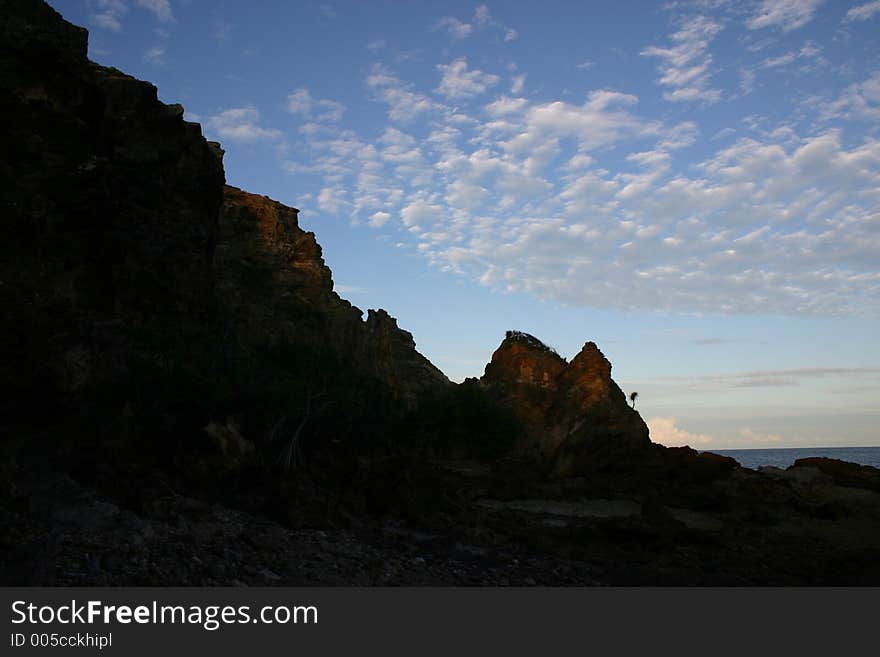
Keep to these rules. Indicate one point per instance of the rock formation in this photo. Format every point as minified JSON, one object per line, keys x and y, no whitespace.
{"x":121,"y":249}
{"x":274,"y":288}
{"x":109,"y":202}
{"x":574,"y":413}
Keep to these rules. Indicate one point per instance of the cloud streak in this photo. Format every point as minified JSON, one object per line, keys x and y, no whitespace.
{"x":685,"y":65}
{"x":241,"y":124}
{"x":783,"y":378}
{"x":786,"y":15}
{"x":481,"y":20}
{"x":160,"y":8}
{"x":863,"y":12}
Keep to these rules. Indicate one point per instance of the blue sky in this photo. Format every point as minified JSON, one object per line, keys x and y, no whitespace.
{"x":693,"y":185}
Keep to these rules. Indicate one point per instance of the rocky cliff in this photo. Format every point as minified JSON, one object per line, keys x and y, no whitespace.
{"x":274,"y":289}
{"x":124,"y":259}
{"x":575,"y":415}
{"x":109,"y":202}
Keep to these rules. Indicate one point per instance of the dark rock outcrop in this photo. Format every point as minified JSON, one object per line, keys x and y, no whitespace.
{"x":575,"y":415}
{"x":274,"y":289}
{"x":390,"y":353}
{"x":122,"y":251}
{"x":272,"y":282}
{"x":842,"y":473}
{"x":109,"y":202}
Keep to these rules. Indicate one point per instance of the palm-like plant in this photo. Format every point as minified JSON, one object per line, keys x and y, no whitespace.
{"x":632,"y":397}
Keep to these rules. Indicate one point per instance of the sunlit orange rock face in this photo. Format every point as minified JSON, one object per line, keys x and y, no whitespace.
{"x":524,"y":374}
{"x":575,"y":416}
{"x":276,"y":289}
{"x":523,"y":360}
{"x":587,"y":379}
{"x":271,"y":275}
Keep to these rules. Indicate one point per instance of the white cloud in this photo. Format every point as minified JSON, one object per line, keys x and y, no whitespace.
{"x":348,"y":289}
{"x":156,"y":54}
{"x":703,"y":241}
{"x":860,"y":101}
{"x":590,"y":203}
{"x":481,"y":15}
{"x":807,"y":52}
{"x":481,"y":20}
{"x":863,"y":12}
{"x":403,"y":156}
{"x":241,"y":124}
{"x":107,"y":21}
{"x":517,"y":83}
{"x":332,"y":199}
{"x":685,"y":66}
{"x":403,"y":103}
{"x":108,"y":14}
{"x":161,"y":8}
{"x":600,"y":121}
{"x":664,"y":431}
{"x":459,"y":82}
{"x":379,"y":219}
{"x":505,"y":105}
{"x":463,"y":194}
{"x":787,"y":15}
{"x":300,"y":102}
{"x":455,"y":28}
{"x":421,"y":211}
{"x":747,"y":79}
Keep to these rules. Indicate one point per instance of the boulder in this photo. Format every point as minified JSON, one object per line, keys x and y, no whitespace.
{"x":840,"y":472}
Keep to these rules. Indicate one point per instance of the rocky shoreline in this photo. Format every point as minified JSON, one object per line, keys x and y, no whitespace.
{"x":794,"y":527}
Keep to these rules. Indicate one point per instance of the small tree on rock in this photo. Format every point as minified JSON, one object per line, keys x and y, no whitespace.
{"x":632,"y":397}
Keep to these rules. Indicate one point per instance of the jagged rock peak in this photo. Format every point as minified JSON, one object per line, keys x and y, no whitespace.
{"x":380,"y":315}
{"x":524,"y":359}
{"x":378,"y":321}
{"x":527,"y":339}
{"x":391,"y":354}
{"x":591,"y":358}
{"x":572,"y":412}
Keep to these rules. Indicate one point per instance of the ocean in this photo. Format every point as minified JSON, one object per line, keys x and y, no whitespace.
{"x":784,"y":457}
